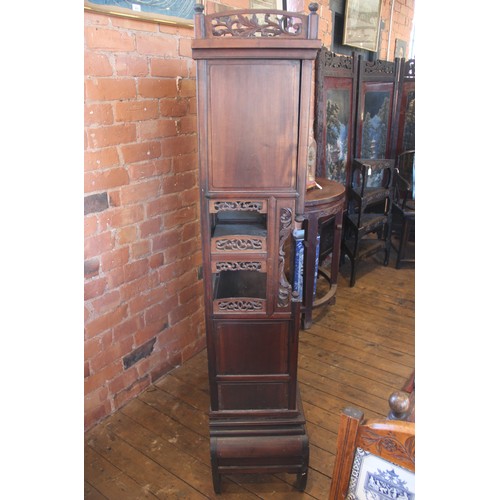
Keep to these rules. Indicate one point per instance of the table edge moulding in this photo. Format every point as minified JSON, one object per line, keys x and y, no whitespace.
{"x":254,"y":91}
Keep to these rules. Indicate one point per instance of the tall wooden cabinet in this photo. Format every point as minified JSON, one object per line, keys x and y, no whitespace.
{"x":254,"y":78}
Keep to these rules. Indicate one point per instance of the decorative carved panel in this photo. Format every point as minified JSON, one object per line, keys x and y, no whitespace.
{"x":389,"y":446}
{"x":239,"y":244}
{"x":379,"y":66}
{"x":285,"y":288}
{"x":331,"y":60}
{"x":236,"y":205}
{"x":268,"y":24}
{"x":238,"y":266}
{"x":259,"y":23}
{"x":239,"y":305}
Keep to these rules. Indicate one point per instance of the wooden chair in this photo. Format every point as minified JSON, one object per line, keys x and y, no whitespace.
{"x":403,"y":207}
{"x":367,"y":224}
{"x":375,"y":458}
{"x":402,"y":402}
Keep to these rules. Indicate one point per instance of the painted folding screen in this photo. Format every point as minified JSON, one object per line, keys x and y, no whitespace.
{"x":376,"y":109}
{"x":406,"y":122}
{"x":334,"y":114}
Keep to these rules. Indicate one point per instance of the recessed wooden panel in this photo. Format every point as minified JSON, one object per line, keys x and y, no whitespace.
{"x":248,"y":348}
{"x":253,"y":396}
{"x":253,"y":119}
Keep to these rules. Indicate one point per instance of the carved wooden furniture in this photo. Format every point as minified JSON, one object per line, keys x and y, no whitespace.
{"x":363,"y":109}
{"x":406,"y":107}
{"x":402,"y":402}
{"x":404,"y":198}
{"x":403,"y":208}
{"x":254,"y":80}
{"x":375,"y":458}
{"x":376,"y":119}
{"x":367,"y":225}
{"x":323,"y":217}
{"x":334,"y":119}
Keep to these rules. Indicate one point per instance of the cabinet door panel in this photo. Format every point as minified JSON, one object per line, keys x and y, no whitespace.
{"x":245,"y":348}
{"x":258,"y":100}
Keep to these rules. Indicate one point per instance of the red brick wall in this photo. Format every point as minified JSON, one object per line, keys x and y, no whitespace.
{"x":401,"y":23}
{"x":143,"y":296}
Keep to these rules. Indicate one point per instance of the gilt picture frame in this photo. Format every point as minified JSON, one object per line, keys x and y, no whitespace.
{"x":362,"y":24}
{"x":170,"y":12}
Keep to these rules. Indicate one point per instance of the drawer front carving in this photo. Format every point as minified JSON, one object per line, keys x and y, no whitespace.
{"x":241,"y":244}
{"x":239,"y":305}
{"x":216,"y":206}
{"x":230,"y":265}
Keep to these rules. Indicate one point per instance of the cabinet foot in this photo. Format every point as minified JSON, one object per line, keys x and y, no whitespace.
{"x":302,"y":480}
{"x":217,"y":480}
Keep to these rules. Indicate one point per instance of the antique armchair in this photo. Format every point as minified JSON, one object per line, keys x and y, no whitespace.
{"x":367,"y":224}
{"x":375,"y":458}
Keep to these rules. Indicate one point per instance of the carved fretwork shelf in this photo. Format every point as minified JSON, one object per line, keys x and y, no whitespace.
{"x":254,"y":79}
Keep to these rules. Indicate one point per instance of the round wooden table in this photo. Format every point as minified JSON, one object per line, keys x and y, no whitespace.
{"x":323,"y":208}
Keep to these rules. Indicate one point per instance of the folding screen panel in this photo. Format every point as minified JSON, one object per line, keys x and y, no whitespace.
{"x":406,"y":120}
{"x":363,"y":109}
{"x":376,"y":117}
{"x":335,"y":110}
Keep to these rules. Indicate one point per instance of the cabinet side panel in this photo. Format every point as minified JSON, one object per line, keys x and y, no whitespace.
{"x":252,"y":348}
{"x":253,"y":110}
{"x":253,"y":396}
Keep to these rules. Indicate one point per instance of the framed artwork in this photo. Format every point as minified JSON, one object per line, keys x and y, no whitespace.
{"x":174,"y":12}
{"x":362,"y":24}
{"x":400,"y":50}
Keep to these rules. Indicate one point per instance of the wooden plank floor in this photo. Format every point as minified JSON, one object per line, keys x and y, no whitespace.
{"x":356,"y":353}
